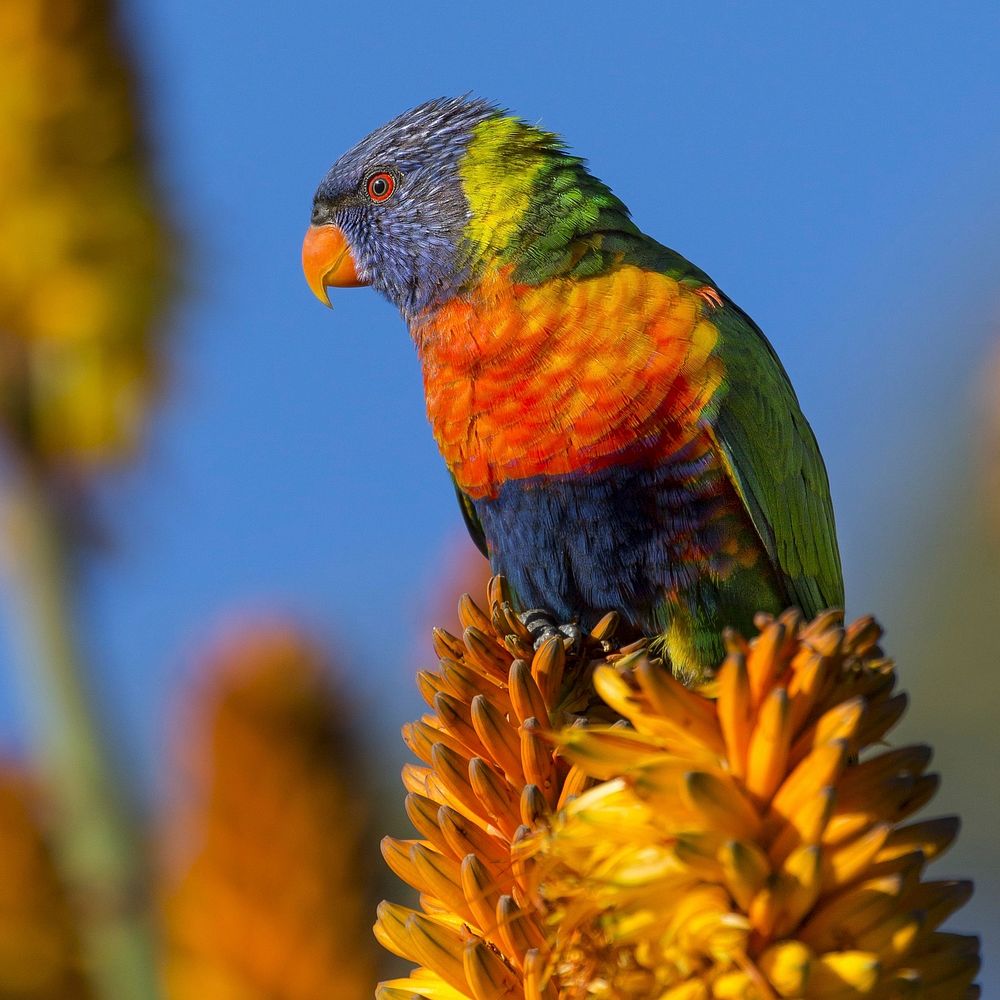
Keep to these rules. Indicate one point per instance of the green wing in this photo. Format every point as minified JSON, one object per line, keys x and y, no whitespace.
{"x":471,"y":519}
{"x":773,"y":460}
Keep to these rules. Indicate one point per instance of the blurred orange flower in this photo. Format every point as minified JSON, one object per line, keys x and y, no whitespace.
{"x":40,"y":956}
{"x":264,"y":894}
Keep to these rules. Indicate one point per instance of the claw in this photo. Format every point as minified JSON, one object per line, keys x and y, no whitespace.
{"x":543,"y":626}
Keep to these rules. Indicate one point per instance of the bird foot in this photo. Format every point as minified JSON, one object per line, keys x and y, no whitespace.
{"x":543,"y":626}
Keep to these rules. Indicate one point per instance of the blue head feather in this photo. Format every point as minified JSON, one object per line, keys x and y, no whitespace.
{"x":408,"y":247}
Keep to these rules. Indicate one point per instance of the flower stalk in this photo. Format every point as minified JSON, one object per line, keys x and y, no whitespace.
{"x":95,"y":841}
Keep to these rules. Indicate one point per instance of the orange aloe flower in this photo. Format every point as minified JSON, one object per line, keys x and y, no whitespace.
{"x":746,"y":841}
{"x":263,"y":895}
{"x":40,"y":955}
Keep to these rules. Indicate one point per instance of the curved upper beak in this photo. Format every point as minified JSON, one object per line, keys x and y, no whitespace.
{"x":327,"y":260}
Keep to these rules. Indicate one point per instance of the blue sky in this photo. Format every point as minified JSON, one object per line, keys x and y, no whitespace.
{"x":832,"y":166}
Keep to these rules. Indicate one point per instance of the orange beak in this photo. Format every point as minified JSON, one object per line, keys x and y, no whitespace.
{"x":327,"y":260}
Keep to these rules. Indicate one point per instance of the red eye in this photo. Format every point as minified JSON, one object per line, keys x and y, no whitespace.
{"x":380,"y":186}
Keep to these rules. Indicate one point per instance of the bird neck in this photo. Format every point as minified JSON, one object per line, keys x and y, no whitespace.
{"x":536,"y":209}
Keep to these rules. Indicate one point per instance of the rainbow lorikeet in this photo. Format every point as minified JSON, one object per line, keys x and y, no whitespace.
{"x":620,"y":433}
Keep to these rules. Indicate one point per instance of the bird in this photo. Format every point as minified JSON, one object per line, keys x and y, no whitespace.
{"x":620,"y":434}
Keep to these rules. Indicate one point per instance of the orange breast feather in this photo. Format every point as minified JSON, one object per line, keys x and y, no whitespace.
{"x":567,"y":377}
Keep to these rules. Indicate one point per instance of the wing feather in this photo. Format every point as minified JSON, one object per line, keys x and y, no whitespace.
{"x":771,"y":455}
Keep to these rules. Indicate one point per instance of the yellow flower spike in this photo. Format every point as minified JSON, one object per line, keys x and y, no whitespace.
{"x":765,"y":909}
{"x":417,"y":988}
{"x":613,"y":688}
{"x":421,"y":737}
{"x":456,"y":716}
{"x":852,"y":912}
{"x":390,"y":928}
{"x":465,"y":837}
{"x":547,"y":667}
{"x":800,"y":882}
{"x":471,"y":615}
{"x":486,"y":654}
{"x":736,"y":985}
{"x":844,"y":974}
{"x":722,"y":805}
{"x":452,"y":770}
{"x":537,"y":984}
{"x":436,"y":732}
{"x":576,"y":783}
{"x":866,"y":778}
{"x":931,"y":837}
{"x":536,"y":758}
{"x":693,"y":989}
{"x":893,"y":938}
{"x":843,"y":827}
{"x":948,"y":967}
{"x":810,"y":675}
{"x":939,"y":900}
{"x":682,"y":707}
{"x":441,"y":878}
{"x":534,"y":808}
{"x":881,"y":717}
{"x":817,"y":771}
{"x":745,"y":868}
{"x":496,"y":795}
{"x":738,"y":842}
{"x":447,"y":646}
{"x":736,"y":711}
{"x":769,"y":746}
{"x":499,"y":739}
{"x":481,"y":893}
{"x":437,"y":947}
{"x":488,"y":975}
{"x":606,"y":751}
{"x":763,"y":665}
{"x":430,"y":686}
{"x":398,"y":989}
{"x":825,"y":633}
{"x":805,"y":826}
{"x":518,"y":930}
{"x":842,"y":722}
{"x":525,"y":695}
{"x":463,"y":681}
{"x":847,"y":862}
{"x":416,"y":739}
{"x":786,"y":966}
{"x":423,"y":814}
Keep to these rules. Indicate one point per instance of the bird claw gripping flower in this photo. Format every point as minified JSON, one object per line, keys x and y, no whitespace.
{"x":752,"y":839}
{"x":595,"y":396}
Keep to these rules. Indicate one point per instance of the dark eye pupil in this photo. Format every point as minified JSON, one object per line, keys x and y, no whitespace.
{"x":379,"y":187}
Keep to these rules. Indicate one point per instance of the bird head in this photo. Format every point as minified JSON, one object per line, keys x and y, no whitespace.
{"x":423,"y":205}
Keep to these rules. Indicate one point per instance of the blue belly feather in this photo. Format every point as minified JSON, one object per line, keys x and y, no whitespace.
{"x":618,"y":539}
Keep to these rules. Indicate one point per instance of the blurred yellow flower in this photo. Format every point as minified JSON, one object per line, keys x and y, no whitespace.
{"x":264,"y":894}
{"x":746,"y":841}
{"x":39,"y":946}
{"x":83,"y":255}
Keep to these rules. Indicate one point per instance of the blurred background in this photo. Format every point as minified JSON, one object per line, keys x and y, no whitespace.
{"x":834,"y":169}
